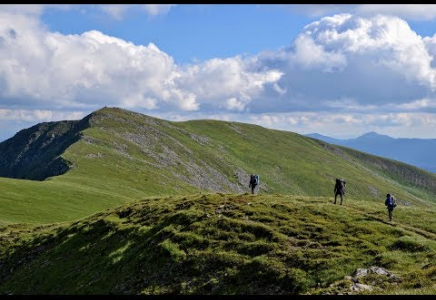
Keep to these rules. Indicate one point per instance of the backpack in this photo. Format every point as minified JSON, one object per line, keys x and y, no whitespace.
{"x":390,"y":201}
{"x":340,"y":184}
{"x":254,"y":179}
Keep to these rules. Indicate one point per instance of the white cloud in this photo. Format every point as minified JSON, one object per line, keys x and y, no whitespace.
{"x":118,"y":11}
{"x":23,"y":9}
{"x":342,"y":70}
{"x":310,"y":55}
{"x":418,"y":104}
{"x":38,"y":115}
{"x":234,"y":104}
{"x":217,"y":80}
{"x":348,"y":125}
{"x":157,"y":9}
{"x":418,"y":12}
{"x":36,"y":10}
{"x":318,"y":10}
{"x":373,"y":61}
{"x":421,"y":125}
{"x":93,"y":69}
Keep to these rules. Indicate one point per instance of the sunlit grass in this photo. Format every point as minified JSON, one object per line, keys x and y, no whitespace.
{"x":125,"y":157}
{"x":221,"y":244}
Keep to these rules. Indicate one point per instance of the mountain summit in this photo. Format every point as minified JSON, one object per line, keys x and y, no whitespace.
{"x":128,"y":154}
{"x":373,"y":135}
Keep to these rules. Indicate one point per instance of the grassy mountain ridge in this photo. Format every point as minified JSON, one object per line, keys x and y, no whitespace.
{"x":225,"y":244}
{"x":122,"y":156}
{"x":149,"y":206}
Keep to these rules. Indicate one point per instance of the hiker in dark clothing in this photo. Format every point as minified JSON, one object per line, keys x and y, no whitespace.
{"x":254,"y":181}
{"x":339,"y":189}
{"x":390,"y":203}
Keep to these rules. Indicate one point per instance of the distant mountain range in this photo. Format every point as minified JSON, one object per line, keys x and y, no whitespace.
{"x":417,"y":152}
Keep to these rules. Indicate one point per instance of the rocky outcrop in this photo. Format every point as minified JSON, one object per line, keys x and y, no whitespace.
{"x":362,"y":283}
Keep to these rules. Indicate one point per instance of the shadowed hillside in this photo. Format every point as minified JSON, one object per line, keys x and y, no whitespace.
{"x":35,"y":153}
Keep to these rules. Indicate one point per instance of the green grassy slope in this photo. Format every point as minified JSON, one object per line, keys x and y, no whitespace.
{"x":123,"y":156}
{"x":25,"y":201}
{"x":225,"y":244}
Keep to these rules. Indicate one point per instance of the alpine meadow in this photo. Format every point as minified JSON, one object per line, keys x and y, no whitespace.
{"x":124,"y":203}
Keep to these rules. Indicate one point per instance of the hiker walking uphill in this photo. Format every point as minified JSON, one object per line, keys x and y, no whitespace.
{"x":390,"y":203}
{"x":254,"y":181}
{"x":339,"y":189}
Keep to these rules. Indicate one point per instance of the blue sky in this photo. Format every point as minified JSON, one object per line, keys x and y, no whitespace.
{"x":338,"y":70}
{"x":190,"y":32}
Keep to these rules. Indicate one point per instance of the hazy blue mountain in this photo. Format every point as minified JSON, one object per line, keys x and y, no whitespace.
{"x":417,"y":152}
{"x":325,"y":138}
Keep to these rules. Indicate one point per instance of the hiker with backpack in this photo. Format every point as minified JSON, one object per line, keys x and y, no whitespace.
{"x":390,"y":203}
{"x":254,"y":181}
{"x":339,"y":189}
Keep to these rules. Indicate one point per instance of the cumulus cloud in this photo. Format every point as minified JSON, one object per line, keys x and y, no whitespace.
{"x":50,"y":70}
{"x":310,"y":55}
{"x":344,"y":62}
{"x":80,"y":70}
{"x":234,"y":104}
{"x":355,"y":71}
{"x":234,"y":81}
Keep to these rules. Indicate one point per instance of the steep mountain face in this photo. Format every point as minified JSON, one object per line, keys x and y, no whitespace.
{"x":35,"y":153}
{"x":417,"y":152}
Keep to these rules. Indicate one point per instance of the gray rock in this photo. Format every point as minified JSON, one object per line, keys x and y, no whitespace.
{"x":380,"y":271}
{"x":361,"y":272}
{"x":358,"y":287}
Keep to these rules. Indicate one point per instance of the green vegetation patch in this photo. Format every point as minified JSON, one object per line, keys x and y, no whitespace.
{"x":217,"y":244}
